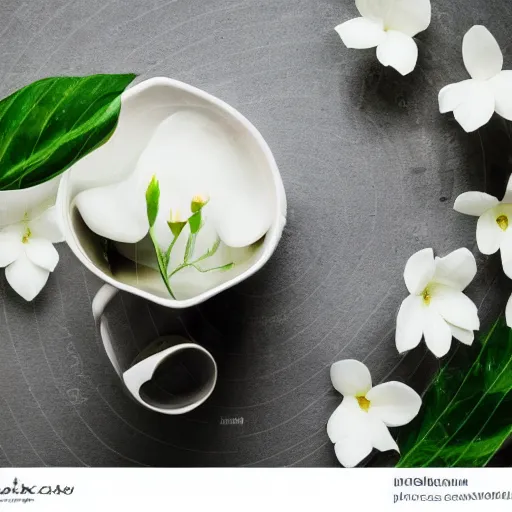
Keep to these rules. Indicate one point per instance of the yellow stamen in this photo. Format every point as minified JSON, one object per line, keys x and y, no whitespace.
{"x":363,"y":402}
{"x":175,"y":216}
{"x":26,"y":235}
{"x":502,"y":222}
{"x":199,"y":199}
{"x":426,"y":296}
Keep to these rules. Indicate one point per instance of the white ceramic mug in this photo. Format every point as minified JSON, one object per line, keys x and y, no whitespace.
{"x":152,"y":379}
{"x":144,"y":107}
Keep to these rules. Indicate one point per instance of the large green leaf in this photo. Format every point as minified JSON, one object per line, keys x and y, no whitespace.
{"x":467,"y":410}
{"x":50,"y":124}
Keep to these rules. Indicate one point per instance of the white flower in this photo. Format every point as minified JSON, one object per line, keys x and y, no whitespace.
{"x":361,"y":422}
{"x":492,"y":229}
{"x":474,"y":101}
{"x":27,"y":252}
{"x":389,"y":25}
{"x":437,"y":309}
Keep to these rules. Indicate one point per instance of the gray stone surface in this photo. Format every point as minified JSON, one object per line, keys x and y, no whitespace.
{"x":371,"y":171}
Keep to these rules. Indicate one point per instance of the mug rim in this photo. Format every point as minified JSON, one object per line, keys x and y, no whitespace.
{"x":273,"y":234}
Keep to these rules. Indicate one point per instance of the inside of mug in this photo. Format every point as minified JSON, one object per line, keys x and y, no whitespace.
{"x":135,"y":265}
{"x":141,"y":272}
{"x":183,"y":378}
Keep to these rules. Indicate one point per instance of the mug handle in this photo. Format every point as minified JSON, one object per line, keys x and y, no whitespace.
{"x":101,"y":300}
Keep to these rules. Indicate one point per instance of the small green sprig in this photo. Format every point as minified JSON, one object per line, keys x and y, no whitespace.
{"x":176,"y":225}
{"x":152,"y":205}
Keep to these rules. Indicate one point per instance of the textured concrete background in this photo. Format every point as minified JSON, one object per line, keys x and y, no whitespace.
{"x":371,"y":171}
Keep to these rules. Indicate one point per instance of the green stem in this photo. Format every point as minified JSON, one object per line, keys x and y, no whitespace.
{"x":189,"y":249}
{"x":162,"y":262}
{"x":178,"y":268}
{"x":207,"y":254}
{"x":228,"y":266}
{"x":168,"y":253}
{"x":193,"y":264}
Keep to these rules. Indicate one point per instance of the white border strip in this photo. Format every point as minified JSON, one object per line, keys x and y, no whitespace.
{"x":259,"y":490}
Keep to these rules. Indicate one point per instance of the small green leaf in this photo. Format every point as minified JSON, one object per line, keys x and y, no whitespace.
{"x":210,"y":252}
{"x":194,"y":222}
{"x":222,"y":268}
{"x":467,"y":410}
{"x":50,"y":124}
{"x":152,"y":200}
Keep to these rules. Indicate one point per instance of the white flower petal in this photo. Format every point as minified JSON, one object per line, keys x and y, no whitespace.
{"x":409,"y":323}
{"x":351,"y":451}
{"x":474,"y":203}
{"x":438,"y":336}
{"x":507,"y":198}
{"x":508,"y":312}
{"x":502,"y":87}
{"x":347,"y":420}
{"x":451,"y":96}
{"x":456,"y":270}
{"x":506,"y":253}
{"x":19,"y":228}
{"x":25,"y":278}
{"x":48,"y":226}
{"x":117,"y":211}
{"x":463,"y":335}
{"x":374,"y":9}
{"x":10,"y":247}
{"x":351,"y":377}
{"x":399,"y":51}
{"x":41,"y":252}
{"x":409,"y":16}
{"x":455,"y":307}
{"x":488,"y":233}
{"x":477,"y":108}
{"x":482,"y":55}
{"x":241,"y":207}
{"x":382,"y":439}
{"x":419,"y":270}
{"x":394,"y":403}
{"x":361,"y":33}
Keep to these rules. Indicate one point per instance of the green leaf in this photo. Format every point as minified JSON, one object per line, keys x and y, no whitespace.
{"x":50,"y":124}
{"x":194,"y":221}
{"x":211,"y":251}
{"x":467,"y":410}
{"x":152,"y":200}
{"x":222,"y":268}
{"x":163,"y":262}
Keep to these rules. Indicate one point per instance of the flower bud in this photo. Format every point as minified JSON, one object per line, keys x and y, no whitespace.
{"x":198,"y":202}
{"x":176,"y":224}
